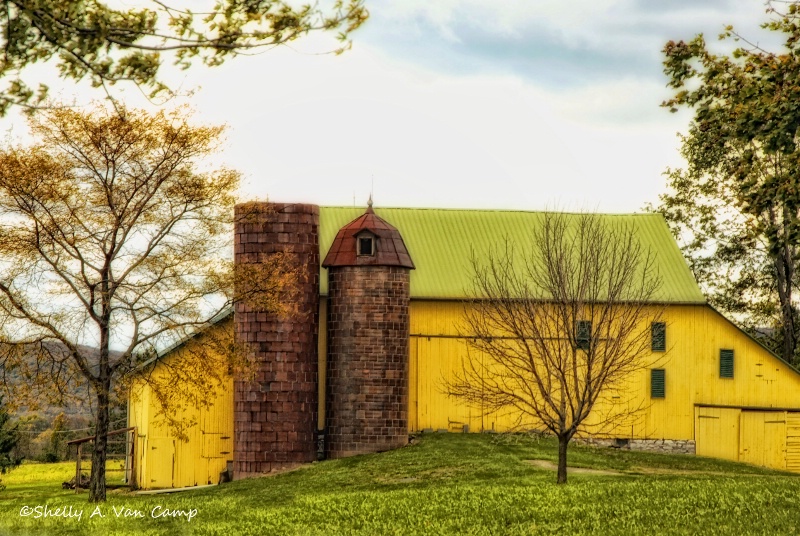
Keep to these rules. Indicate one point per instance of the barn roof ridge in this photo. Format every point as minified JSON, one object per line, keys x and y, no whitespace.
{"x":509,"y":210}
{"x":442,"y":242}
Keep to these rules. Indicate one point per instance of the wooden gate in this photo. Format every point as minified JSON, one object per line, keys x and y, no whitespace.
{"x":121,"y":450}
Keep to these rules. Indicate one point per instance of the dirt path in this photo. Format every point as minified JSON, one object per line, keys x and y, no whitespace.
{"x":544,"y":464}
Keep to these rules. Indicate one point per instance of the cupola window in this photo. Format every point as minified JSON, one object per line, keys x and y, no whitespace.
{"x":366,"y":245}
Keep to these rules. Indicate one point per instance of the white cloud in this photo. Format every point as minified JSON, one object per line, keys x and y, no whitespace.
{"x":322,"y":128}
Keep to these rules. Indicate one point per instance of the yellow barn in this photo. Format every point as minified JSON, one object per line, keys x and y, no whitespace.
{"x":199,"y":448}
{"x":712,"y":391}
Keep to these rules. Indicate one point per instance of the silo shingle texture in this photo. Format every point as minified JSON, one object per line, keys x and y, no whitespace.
{"x":368,"y":336}
{"x":276,"y":413}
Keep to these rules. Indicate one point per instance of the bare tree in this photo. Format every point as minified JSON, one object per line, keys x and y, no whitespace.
{"x":111,"y":235}
{"x":554,"y":329}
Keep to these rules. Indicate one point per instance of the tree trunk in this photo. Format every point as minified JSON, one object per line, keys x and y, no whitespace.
{"x":789,"y":340}
{"x":784,"y":258}
{"x":97,"y":482}
{"x":563,"y":443}
{"x":784,"y":282}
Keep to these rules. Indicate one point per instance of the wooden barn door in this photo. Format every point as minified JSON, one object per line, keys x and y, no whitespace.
{"x":161,"y":462}
{"x":762,"y":439}
{"x":717,"y":432}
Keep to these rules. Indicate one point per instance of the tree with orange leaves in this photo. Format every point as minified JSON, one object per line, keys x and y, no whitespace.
{"x":115,"y":243}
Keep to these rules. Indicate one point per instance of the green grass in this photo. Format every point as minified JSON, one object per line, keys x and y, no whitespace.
{"x":443,"y":484}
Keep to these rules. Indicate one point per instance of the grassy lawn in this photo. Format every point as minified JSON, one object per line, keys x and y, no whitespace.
{"x":443,"y":484}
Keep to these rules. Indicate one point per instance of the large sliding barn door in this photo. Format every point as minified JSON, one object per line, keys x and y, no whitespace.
{"x":764,"y":438}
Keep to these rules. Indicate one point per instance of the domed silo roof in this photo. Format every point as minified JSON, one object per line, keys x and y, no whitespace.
{"x":369,"y":240}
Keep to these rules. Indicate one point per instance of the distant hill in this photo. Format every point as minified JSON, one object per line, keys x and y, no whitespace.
{"x":78,"y":395}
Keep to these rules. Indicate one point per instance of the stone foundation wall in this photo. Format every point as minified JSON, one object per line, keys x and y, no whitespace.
{"x":367,"y":370}
{"x":666,"y":446}
{"x":275,"y":414}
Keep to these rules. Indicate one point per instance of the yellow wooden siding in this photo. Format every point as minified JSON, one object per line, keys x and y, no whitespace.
{"x":762,"y":438}
{"x":413,"y":385}
{"x":793,"y":441}
{"x":765,"y":438}
{"x":322,"y":364}
{"x":160,"y":474}
{"x":434,"y":361}
{"x":165,"y":460}
{"x":138,"y":410}
{"x":217,"y":434}
{"x":717,"y":432}
{"x":695,"y":335}
{"x":752,"y":419}
{"x":620,"y":412}
{"x":760,"y":379}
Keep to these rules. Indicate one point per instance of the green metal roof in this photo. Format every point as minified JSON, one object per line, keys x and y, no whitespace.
{"x":441,"y":242}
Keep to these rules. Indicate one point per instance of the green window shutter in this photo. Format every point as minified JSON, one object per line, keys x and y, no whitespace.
{"x":658,"y":332}
{"x":583,"y":334}
{"x":657,"y":383}
{"x":726,"y":363}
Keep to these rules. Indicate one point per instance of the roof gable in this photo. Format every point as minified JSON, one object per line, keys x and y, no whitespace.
{"x":441,"y":242}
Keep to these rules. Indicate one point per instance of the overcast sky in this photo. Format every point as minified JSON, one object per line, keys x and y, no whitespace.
{"x":524,"y":104}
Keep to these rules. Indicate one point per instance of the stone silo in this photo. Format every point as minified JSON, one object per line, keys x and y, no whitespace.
{"x":275,"y":412}
{"x":368,"y":336}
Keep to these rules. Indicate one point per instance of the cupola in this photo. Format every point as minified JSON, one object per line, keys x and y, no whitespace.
{"x":368,"y":241}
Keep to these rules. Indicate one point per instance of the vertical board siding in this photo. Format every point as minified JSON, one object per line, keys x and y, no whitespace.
{"x":413,"y":384}
{"x":167,"y":461}
{"x":717,"y":432}
{"x":162,"y":473}
{"x":793,"y":441}
{"x":695,"y":337}
{"x":138,"y":416}
{"x":765,"y":438}
{"x":322,"y":366}
{"x":437,"y":350}
{"x":762,"y":438}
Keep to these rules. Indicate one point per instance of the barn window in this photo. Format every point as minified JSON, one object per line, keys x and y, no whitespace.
{"x":583,"y":334}
{"x":366,"y":245}
{"x":726,"y":363}
{"x":658,"y":332}
{"x":657,"y":383}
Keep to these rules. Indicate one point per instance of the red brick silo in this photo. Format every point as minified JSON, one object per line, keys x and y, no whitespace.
{"x":367,"y":359}
{"x":275,"y":412}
